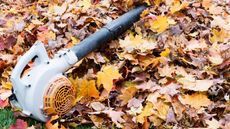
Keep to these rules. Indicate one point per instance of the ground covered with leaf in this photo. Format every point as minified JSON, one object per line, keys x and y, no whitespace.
{"x":170,"y":70}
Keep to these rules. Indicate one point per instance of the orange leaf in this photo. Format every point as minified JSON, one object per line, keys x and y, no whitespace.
{"x":195,"y":100}
{"x":127,"y":94}
{"x":85,"y":88}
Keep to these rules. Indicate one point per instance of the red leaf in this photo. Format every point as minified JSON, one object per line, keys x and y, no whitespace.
{"x":4,"y":103}
{"x":20,"y":124}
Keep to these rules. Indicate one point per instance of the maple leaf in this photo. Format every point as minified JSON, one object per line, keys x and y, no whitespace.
{"x":97,"y":121}
{"x":161,"y":109}
{"x":59,"y":10}
{"x":127,"y":94}
{"x":160,"y":24}
{"x":218,"y":35}
{"x":213,"y":124}
{"x":85,"y":4}
{"x":136,"y":42}
{"x":153,"y":97}
{"x":7,"y":85}
{"x":20,"y":124}
{"x":165,"y":53}
{"x":106,"y":77}
{"x":196,"y":100}
{"x":85,"y":88}
{"x":166,"y":71}
{"x":147,"y":111}
{"x":177,"y":6}
{"x":189,"y":82}
{"x":116,"y":117}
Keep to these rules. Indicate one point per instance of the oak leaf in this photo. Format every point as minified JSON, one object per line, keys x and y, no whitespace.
{"x":106,"y":77}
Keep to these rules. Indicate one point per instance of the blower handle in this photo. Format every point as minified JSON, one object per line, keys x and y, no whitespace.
{"x":110,"y":31}
{"x":37,"y":50}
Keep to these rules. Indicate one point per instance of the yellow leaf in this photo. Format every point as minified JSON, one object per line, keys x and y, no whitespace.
{"x":218,"y":35}
{"x":85,"y":88}
{"x":177,"y":6}
{"x":106,"y":77}
{"x":196,"y":100}
{"x":132,"y":42}
{"x":7,"y":85}
{"x":147,"y":111}
{"x":75,"y":40}
{"x":98,"y":121}
{"x":85,"y":4}
{"x":160,"y":24}
{"x":165,"y":53}
{"x":161,"y":109}
{"x":127,"y":94}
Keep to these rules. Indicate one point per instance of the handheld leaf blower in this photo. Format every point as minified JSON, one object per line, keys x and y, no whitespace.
{"x":44,"y":90}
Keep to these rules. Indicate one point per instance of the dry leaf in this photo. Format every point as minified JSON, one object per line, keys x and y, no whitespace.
{"x":127,"y":94}
{"x":177,"y":6}
{"x":189,"y":82}
{"x":59,"y":10}
{"x":85,"y":88}
{"x":196,"y":100}
{"x":147,"y":111}
{"x":160,"y":24}
{"x":51,"y":125}
{"x":116,"y":117}
{"x":97,"y":106}
{"x":106,"y":77}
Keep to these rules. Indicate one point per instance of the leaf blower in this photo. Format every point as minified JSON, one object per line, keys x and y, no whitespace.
{"x":44,"y":90}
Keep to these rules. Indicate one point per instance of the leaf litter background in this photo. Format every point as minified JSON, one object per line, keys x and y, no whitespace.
{"x":170,"y":70}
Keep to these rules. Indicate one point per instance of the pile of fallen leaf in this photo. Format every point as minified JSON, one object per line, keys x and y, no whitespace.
{"x":170,"y":70}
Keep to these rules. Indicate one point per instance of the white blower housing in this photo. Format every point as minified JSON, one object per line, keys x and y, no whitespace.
{"x":44,"y":90}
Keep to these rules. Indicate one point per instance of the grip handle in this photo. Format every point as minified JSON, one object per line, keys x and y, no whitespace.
{"x":111,"y":31}
{"x":37,"y":50}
